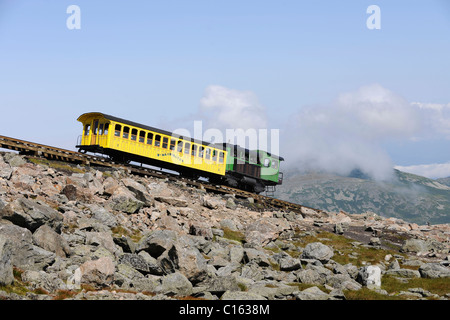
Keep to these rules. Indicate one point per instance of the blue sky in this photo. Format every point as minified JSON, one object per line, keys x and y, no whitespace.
{"x":155,"y":62}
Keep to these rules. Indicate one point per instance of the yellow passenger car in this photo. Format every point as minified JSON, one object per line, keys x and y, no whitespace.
{"x":126,"y":141}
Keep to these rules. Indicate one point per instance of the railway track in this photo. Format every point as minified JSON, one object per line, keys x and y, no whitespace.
{"x":32,"y":149}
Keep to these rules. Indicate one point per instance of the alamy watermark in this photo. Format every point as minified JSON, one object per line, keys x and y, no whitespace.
{"x":73,"y":22}
{"x":254,"y":140}
{"x":373,"y":22}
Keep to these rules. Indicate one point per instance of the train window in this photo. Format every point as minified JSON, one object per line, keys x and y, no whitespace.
{"x":180,"y":146}
{"x":142,"y":136}
{"x":194,"y":150}
{"x":126,"y":132}
{"x":187,"y":147}
{"x":100,"y":129}
{"x":275,"y":164}
{"x":252,"y":157}
{"x":214,"y":157}
{"x":158,"y":140}
{"x":87,"y":129}
{"x":172,"y":144}
{"x":117,"y":130}
{"x":149,"y":138}
{"x":208,"y":154}
{"x":106,"y":129}
{"x":134,"y":134}
{"x":267,"y":162}
{"x":165,"y":142}
{"x":201,"y":151}
{"x":95,"y":128}
{"x":221,"y":157}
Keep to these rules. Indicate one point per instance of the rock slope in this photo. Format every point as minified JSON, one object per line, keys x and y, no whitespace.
{"x":72,"y":232}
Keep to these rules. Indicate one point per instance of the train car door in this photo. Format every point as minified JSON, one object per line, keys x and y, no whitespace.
{"x":94,"y":132}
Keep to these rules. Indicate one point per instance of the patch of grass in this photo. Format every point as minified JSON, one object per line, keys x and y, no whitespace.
{"x":343,"y":247}
{"x":134,"y":235}
{"x":18,"y":287}
{"x":233,"y":235}
{"x":438,"y":286}
{"x":303,"y":286}
{"x":57,"y":165}
{"x":368,"y":294}
{"x":65,"y":294}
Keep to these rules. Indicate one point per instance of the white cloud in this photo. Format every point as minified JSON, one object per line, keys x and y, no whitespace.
{"x":432,"y":171}
{"x":435,"y":120}
{"x":225,"y":108}
{"x":347,"y":134}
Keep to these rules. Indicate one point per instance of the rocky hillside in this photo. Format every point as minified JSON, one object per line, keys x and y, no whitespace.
{"x":74,"y":232}
{"x":407,"y":196}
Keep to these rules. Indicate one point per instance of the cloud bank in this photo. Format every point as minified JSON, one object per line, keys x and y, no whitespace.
{"x":347,"y":134}
{"x":340,"y":136}
{"x":432,"y":171}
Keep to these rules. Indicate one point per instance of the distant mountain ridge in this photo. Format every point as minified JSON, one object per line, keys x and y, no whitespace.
{"x":407,"y":196}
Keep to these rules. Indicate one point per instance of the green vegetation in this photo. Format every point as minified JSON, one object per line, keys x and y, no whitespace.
{"x":120,"y":231}
{"x":57,"y":165}
{"x":233,"y":235}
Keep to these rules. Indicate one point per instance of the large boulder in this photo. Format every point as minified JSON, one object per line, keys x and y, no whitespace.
{"x":434,"y":270}
{"x":6,"y":268}
{"x":261,"y":232}
{"x":175,"y":284}
{"x":46,"y":238}
{"x":318,"y":251}
{"x":124,"y":200}
{"x":370,"y":277}
{"x":31,"y":214}
{"x":157,"y":242}
{"x":102,"y":215}
{"x":98,"y":273}
{"x":25,"y":254}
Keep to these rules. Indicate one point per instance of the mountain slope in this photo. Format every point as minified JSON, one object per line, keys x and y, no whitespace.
{"x":407,"y":196}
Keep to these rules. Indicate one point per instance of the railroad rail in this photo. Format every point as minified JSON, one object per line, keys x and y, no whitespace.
{"x":32,"y":149}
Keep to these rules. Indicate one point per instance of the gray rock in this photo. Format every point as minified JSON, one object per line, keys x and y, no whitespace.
{"x":175,"y":284}
{"x":6,"y":267}
{"x":14,"y":160}
{"x":176,"y":202}
{"x":157,"y":242}
{"x":256,"y":256}
{"x":25,"y":255}
{"x":144,"y":265}
{"x":370,"y":277}
{"x":310,"y":276}
{"x":404,"y":273}
{"x":286,"y":262}
{"x":98,"y":273}
{"x":317,"y":250}
{"x":313,"y":293}
{"x":46,"y":238}
{"x":126,"y":277}
{"x":103,"y":216}
{"x":434,"y":270}
{"x":241,"y":295}
{"x":139,"y":190}
{"x":125,"y":201}
{"x":219,"y":285}
{"x":31,"y":214}
{"x":42,"y":280}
